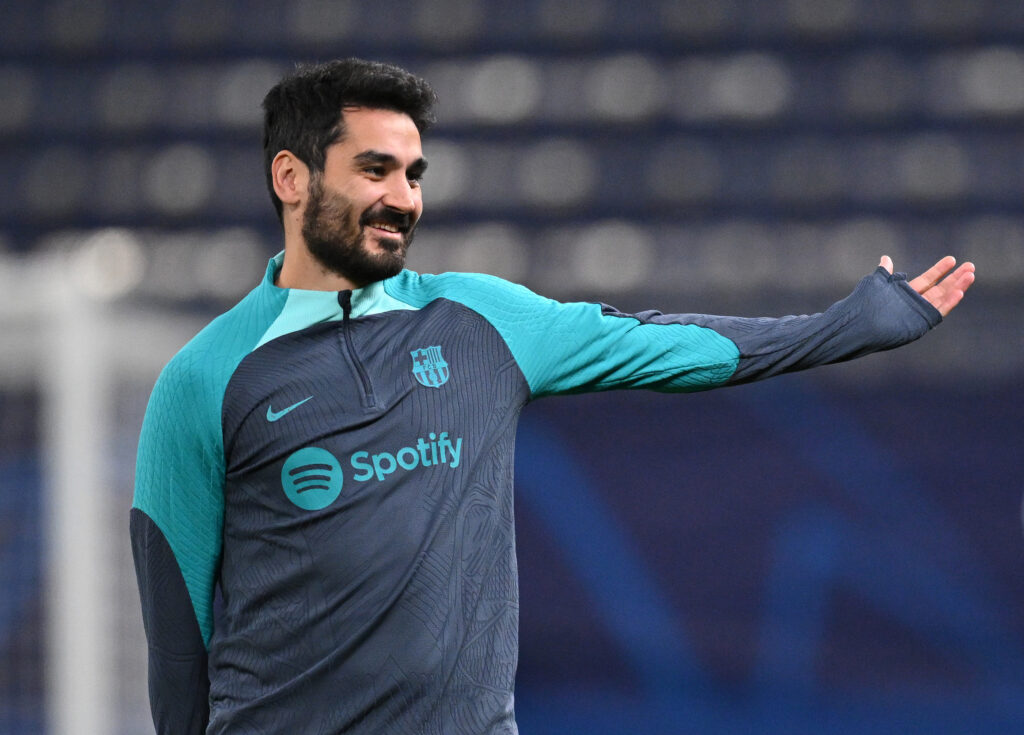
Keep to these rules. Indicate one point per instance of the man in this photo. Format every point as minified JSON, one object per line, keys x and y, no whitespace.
{"x":335,"y":453}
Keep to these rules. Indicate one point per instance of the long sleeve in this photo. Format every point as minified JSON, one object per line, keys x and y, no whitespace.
{"x":883,"y":312}
{"x":176,"y":520}
{"x":581,"y":347}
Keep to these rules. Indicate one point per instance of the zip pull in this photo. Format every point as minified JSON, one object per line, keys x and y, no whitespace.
{"x":345,"y":302}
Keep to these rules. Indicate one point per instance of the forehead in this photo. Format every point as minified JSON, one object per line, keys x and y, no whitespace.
{"x":385,"y":131}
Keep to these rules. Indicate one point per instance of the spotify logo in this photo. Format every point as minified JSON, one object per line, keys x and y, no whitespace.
{"x":312,"y":478}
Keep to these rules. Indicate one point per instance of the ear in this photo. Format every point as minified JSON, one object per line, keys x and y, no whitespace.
{"x":290,"y":177}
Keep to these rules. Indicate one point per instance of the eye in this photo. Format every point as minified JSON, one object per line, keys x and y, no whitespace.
{"x":375,"y":171}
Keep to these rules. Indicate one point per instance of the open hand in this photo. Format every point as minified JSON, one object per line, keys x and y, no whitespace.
{"x":937,"y":285}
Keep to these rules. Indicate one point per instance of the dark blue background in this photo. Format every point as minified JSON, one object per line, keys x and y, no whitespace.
{"x":800,"y":556}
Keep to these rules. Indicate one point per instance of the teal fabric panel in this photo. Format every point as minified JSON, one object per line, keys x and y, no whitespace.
{"x":304,"y":308}
{"x":572,"y":347}
{"x":179,"y":475}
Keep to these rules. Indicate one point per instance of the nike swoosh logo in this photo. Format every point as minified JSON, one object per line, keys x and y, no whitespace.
{"x":273,"y":415}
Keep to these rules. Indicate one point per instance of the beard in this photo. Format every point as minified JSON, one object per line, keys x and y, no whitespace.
{"x":336,"y":237}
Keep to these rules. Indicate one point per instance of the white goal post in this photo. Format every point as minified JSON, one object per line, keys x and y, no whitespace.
{"x":91,"y":356}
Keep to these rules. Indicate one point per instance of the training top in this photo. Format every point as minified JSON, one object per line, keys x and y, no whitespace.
{"x":339,"y":464}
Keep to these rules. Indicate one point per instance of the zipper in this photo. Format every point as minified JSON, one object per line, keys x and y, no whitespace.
{"x":345,"y":301}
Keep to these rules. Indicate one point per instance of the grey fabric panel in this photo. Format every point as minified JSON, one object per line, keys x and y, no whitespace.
{"x":178,"y":683}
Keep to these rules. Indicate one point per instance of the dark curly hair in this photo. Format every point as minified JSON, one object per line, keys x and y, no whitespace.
{"x":303,"y":112}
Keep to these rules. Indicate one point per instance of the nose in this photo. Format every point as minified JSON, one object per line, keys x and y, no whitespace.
{"x":401,"y":194}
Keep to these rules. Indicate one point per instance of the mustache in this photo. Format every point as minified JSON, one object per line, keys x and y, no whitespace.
{"x":385,"y":215}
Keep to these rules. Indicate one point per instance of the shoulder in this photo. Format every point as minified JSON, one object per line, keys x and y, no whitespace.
{"x":203,"y":366}
{"x":475,"y":290}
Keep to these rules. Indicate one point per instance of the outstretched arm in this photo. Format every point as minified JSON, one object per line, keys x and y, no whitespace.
{"x":583,"y":347}
{"x":885,"y":311}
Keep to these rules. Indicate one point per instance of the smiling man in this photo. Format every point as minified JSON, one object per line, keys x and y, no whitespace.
{"x":335,"y":453}
{"x":351,"y":223}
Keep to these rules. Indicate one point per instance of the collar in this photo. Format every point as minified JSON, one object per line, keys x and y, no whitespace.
{"x":304,"y":308}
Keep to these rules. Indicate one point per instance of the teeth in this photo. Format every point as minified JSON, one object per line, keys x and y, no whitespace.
{"x":387,"y":228}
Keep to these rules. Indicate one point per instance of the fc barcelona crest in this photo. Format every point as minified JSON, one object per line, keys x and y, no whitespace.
{"x":429,"y":367}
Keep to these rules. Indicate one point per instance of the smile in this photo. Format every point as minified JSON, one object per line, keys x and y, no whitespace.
{"x":394,"y":229}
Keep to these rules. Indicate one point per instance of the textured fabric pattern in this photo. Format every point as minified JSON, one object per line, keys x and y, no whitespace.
{"x":574,"y":347}
{"x":401,"y":593}
{"x":177,"y":654}
{"x":883,"y":312}
{"x":179,"y":476}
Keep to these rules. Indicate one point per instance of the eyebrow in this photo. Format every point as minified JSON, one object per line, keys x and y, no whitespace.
{"x":416,"y":168}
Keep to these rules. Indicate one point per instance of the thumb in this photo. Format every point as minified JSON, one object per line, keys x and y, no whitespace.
{"x":886,"y":263}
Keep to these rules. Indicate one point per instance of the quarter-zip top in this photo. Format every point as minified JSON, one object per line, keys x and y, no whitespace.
{"x":367,"y":396}
{"x":355,"y":511}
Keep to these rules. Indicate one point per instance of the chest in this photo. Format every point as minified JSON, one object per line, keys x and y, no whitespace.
{"x":368,"y":400}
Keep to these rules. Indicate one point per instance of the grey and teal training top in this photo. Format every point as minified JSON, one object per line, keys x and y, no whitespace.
{"x":340,"y":465}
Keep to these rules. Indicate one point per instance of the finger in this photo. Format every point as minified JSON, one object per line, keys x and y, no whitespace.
{"x":933,"y":275}
{"x":963,"y":276}
{"x":947,"y":301}
{"x":886,"y":263}
{"x":946,"y":295}
{"x":960,"y":279}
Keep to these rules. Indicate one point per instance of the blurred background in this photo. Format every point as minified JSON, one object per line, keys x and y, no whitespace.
{"x":833,"y":552}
